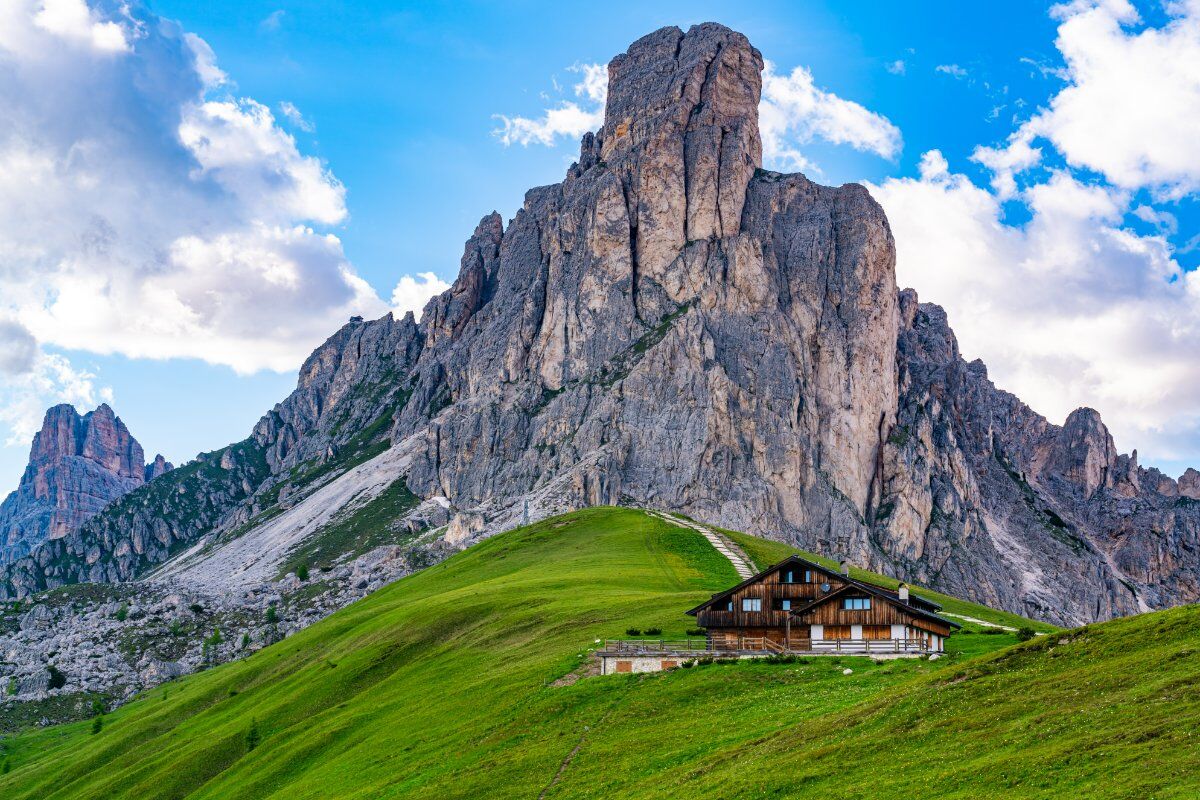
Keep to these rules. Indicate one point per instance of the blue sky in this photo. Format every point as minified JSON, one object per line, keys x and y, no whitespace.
{"x":398,"y":103}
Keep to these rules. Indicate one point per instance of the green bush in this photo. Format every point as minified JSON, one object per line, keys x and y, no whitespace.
{"x":57,"y":679}
{"x":302,"y":572}
{"x":97,"y":724}
{"x":252,"y":737}
{"x":272,"y":615}
{"x":993,"y":631}
{"x":633,"y":631}
{"x":196,"y":608}
{"x":123,"y":612}
{"x":1025,"y":633}
{"x":654,"y":631}
{"x":697,"y":632}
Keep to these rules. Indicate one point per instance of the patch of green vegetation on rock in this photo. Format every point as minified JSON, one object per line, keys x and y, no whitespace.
{"x":355,"y":533}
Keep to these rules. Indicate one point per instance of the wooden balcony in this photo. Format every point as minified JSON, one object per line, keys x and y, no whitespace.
{"x":696,"y":647}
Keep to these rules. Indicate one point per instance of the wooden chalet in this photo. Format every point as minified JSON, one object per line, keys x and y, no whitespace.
{"x":799,"y":605}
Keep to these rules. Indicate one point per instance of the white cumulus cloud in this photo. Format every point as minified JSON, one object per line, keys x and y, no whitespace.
{"x":1131,"y":106}
{"x":570,"y":118}
{"x":1071,"y":309}
{"x":412,"y":293}
{"x":147,"y":210}
{"x":794,"y":112}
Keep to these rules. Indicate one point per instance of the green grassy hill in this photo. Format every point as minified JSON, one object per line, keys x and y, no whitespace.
{"x":443,"y":685}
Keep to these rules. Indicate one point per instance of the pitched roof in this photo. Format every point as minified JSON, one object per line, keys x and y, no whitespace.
{"x":916,"y":604}
{"x":883,"y":594}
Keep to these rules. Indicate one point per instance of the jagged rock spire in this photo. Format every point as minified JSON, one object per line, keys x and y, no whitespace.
{"x":77,"y":465}
{"x":681,"y":130}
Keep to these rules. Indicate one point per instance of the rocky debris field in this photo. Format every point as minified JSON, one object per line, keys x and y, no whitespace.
{"x":61,"y":649}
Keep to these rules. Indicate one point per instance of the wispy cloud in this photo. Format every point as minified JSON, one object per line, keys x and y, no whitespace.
{"x":953,"y":70}
{"x":273,"y":21}
{"x":293,"y":115}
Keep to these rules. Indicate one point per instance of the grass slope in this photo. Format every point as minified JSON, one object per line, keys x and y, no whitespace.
{"x":440,"y":686}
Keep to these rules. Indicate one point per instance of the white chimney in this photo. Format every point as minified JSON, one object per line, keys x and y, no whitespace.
{"x":845,"y":565}
{"x":903,"y":593}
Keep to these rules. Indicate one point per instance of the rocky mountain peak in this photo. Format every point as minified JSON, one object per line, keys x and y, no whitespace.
{"x":1189,"y":484}
{"x":77,"y":465}
{"x":1084,"y":452}
{"x":159,"y":466}
{"x":681,"y":133}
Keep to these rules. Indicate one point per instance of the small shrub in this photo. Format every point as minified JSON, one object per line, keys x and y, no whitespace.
{"x":633,"y":631}
{"x":252,"y":737}
{"x":993,"y":631}
{"x":245,"y":640}
{"x":697,"y":632}
{"x":97,"y":724}
{"x":57,"y":679}
{"x":4,"y":770}
{"x":779,"y":659}
{"x":272,"y":615}
{"x":196,"y":608}
{"x":688,"y":664}
{"x":209,"y":647}
{"x":302,"y":572}
{"x":654,"y":631}
{"x":97,"y":707}
{"x":122,"y":612}
{"x":1025,"y":633}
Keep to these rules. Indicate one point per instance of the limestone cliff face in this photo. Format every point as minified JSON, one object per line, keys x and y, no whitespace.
{"x":672,"y":326}
{"x":77,"y":465}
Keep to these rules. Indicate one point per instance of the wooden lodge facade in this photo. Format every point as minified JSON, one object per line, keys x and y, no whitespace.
{"x":799,"y":605}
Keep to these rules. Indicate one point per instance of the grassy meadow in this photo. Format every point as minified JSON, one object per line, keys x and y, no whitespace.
{"x":448,"y":684}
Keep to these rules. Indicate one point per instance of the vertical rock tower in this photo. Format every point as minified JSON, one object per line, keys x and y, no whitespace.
{"x":77,"y":465}
{"x":671,"y":325}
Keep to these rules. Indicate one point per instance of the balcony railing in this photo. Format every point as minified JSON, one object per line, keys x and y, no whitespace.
{"x":698,"y":647}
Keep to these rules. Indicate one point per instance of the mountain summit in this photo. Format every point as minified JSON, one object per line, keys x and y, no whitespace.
{"x":77,"y":465}
{"x":674,"y":327}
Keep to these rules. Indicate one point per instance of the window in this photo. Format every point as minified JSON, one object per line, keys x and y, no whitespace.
{"x":789,"y":576}
{"x":782,"y":604}
{"x":729,"y":606}
{"x":751,"y":604}
{"x":877,"y":631}
{"x":856,"y":603}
